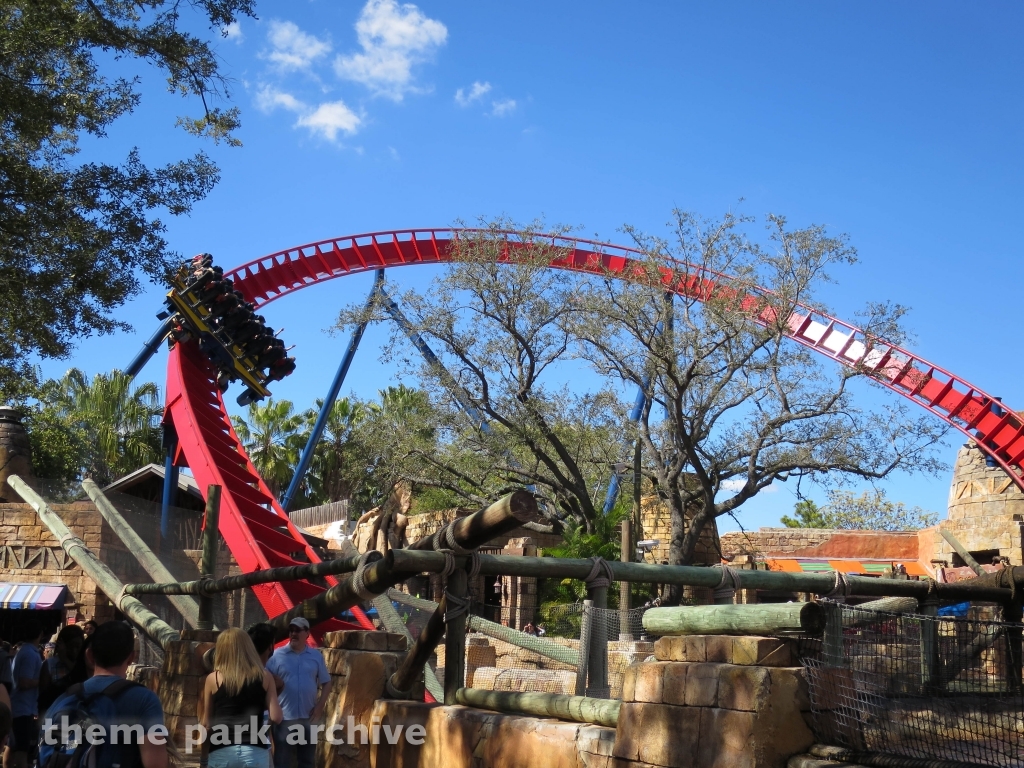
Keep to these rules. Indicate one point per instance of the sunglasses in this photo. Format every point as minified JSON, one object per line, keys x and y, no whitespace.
{"x":296,"y":630}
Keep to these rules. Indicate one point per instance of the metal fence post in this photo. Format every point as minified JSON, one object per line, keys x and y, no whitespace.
{"x":211,"y":546}
{"x":586,"y":625}
{"x":832,"y":644}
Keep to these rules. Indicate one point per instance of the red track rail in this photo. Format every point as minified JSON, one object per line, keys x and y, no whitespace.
{"x":998,"y":431}
{"x":256,"y":529}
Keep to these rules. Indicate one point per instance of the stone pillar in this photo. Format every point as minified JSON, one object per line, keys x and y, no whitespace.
{"x":15,"y":453}
{"x":986,"y":508}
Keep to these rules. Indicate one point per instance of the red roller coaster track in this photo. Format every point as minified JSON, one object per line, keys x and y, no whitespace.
{"x":255,"y":518}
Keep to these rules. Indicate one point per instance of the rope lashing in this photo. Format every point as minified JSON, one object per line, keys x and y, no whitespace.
{"x":730,"y":582}
{"x":358,"y":584}
{"x":841,"y":589}
{"x":455,"y":606}
{"x":449,"y":564}
{"x":444,"y":539}
{"x":600,"y":575}
{"x":474,"y":566}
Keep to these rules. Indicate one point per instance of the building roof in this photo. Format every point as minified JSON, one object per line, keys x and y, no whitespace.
{"x":186,"y":483}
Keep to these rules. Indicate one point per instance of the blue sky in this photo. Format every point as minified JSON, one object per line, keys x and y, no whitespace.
{"x":899,"y":124}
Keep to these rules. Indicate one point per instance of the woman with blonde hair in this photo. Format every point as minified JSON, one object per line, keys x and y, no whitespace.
{"x":237,"y":693}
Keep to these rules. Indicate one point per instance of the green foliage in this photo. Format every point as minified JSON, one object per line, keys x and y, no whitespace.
{"x":271,"y":436}
{"x":579,"y":543}
{"x":870,"y":511}
{"x":75,"y":237}
{"x":808,"y":515}
{"x":103,"y":429}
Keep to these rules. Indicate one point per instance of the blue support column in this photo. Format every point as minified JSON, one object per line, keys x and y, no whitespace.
{"x":328,"y":404}
{"x":634,"y":416}
{"x":149,"y":349}
{"x":170,"y":494}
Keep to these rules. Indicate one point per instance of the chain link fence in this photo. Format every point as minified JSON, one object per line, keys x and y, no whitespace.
{"x":938,"y":688}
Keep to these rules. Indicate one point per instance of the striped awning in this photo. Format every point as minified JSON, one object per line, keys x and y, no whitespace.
{"x":863,"y":567}
{"x":42,"y":597}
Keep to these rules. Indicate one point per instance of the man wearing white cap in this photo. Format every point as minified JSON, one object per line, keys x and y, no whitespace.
{"x":303,"y":670}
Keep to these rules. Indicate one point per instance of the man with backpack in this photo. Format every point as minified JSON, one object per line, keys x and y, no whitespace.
{"x":130,"y":714}
{"x":25,"y":668}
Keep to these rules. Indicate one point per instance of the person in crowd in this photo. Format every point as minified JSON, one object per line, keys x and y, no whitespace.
{"x":5,"y":666}
{"x":306,"y":686}
{"x":89,"y":627}
{"x":236,"y":694}
{"x":530,"y":630}
{"x":5,"y":714}
{"x":541,"y":631}
{"x":110,"y":651}
{"x":25,"y":669}
{"x":64,"y":668}
{"x":262,"y":636}
{"x":48,"y":650}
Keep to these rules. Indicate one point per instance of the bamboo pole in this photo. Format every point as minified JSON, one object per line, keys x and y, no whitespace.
{"x":231,"y":583}
{"x":475,"y":530}
{"x":539,"y":645}
{"x":96,"y":569}
{"x":578,"y":709}
{"x":757,"y":619}
{"x":186,"y":606}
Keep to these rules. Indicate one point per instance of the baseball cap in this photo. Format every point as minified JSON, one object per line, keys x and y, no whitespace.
{"x":299,"y":622}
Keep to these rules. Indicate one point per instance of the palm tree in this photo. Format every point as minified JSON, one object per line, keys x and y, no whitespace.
{"x":270,"y":435}
{"x":120,"y":422}
{"x":335,"y":470}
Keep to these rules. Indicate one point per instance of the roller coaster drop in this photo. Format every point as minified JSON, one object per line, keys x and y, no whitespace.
{"x":255,"y":525}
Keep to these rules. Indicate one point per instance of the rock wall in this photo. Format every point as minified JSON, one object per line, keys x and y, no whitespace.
{"x":15,"y":452}
{"x":986,"y":509}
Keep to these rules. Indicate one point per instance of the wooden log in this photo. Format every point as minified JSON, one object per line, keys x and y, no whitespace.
{"x":961,"y":550}
{"x":586,"y":631}
{"x":161,"y":632}
{"x":455,"y":636}
{"x":475,"y":530}
{"x":539,"y":645}
{"x":758,"y":619}
{"x":597,"y":647}
{"x":393,"y":623}
{"x":211,"y":546}
{"x":577,"y":709}
{"x":186,"y":606}
{"x":415,"y":660}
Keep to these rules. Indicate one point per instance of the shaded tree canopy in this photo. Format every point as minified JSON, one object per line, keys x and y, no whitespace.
{"x":868,"y":511}
{"x":76,"y":237}
{"x":103,"y":429}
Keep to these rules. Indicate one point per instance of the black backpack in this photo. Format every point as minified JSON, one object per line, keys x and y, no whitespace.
{"x":84,"y":711}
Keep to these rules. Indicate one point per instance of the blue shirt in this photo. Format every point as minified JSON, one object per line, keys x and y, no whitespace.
{"x":302,"y":673}
{"x":27,"y":664}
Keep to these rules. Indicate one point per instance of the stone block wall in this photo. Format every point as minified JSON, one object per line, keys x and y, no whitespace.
{"x":713,"y":702}
{"x":30,"y":553}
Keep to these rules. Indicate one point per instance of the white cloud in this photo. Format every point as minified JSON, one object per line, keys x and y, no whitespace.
{"x":503,"y":107}
{"x":734,"y":484}
{"x":268,"y":98}
{"x":329,"y":118}
{"x":394,"y":38}
{"x":233,"y":31}
{"x":476,"y":91}
{"x":293,"y":48}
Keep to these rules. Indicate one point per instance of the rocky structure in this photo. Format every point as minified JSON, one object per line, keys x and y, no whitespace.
{"x":986,"y":511}
{"x":15,"y":452}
